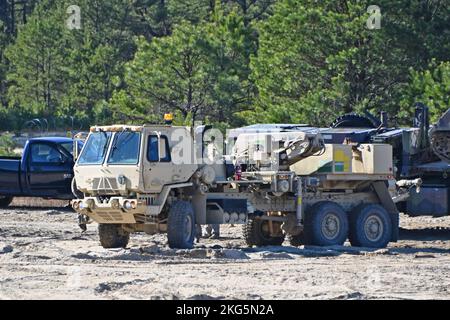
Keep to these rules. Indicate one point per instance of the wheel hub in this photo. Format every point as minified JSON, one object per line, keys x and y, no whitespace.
{"x":373,"y":228}
{"x":330,"y":226}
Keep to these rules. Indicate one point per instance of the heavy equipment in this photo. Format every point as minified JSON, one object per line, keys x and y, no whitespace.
{"x":277,"y":183}
{"x":419,"y":152}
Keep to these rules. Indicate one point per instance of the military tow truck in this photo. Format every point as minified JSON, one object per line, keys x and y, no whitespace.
{"x":170,"y":179}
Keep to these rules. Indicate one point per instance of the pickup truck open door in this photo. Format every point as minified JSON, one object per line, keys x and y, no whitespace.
{"x":48,"y":169}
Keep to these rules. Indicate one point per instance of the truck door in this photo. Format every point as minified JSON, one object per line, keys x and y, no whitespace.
{"x":161,"y":162}
{"x":49,"y":171}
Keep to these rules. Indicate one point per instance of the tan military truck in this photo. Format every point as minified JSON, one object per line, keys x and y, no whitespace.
{"x":163,"y":178}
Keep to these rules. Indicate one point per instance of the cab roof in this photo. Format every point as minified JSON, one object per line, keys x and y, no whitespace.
{"x":53,"y":139}
{"x":121,"y":127}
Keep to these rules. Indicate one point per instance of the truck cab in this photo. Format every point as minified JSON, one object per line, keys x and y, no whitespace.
{"x":131,"y":160}
{"x":132,"y":177}
{"x":44,"y":170}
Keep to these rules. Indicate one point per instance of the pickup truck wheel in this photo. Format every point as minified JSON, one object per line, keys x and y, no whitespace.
{"x":181,"y":229}
{"x":326,"y":224}
{"x":370,"y":226}
{"x":113,"y":236}
{"x":76,"y":193}
{"x":257,"y":233}
{"x":5,"y":201}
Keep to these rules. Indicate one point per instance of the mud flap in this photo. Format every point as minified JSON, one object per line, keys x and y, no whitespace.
{"x":395,"y":220}
{"x":199,"y":204}
{"x":385,"y":198}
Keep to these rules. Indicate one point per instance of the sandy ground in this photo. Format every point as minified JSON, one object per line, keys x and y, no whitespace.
{"x":44,"y":255}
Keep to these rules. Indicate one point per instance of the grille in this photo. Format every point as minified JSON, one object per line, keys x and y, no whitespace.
{"x":105,"y":184}
{"x":149,"y":201}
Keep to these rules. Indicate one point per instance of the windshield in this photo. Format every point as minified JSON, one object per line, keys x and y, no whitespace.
{"x":125,"y":148}
{"x":94,"y":151}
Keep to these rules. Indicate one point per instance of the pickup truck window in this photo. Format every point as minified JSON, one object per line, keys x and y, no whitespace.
{"x":125,"y":148}
{"x":94,"y":152}
{"x":44,"y":153}
{"x":68,"y":146}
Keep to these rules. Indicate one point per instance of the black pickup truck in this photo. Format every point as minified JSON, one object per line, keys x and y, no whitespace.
{"x":45,"y":170}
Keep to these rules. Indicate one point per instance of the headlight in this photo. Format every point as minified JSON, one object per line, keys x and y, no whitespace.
{"x":127,"y":205}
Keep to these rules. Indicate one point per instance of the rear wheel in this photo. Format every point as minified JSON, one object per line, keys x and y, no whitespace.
{"x":181,"y":229}
{"x":370,"y":226}
{"x":113,"y":236}
{"x":5,"y":201}
{"x":326,"y":224}
{"x":257,"y":233}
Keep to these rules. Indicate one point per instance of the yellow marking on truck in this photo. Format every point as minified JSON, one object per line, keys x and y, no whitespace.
{"x":341,"y":158}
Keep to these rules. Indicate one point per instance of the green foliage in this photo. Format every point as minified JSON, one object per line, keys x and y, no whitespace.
{"x":224,"y":62}
{"x":432,"y":87}
{"x":166,"y":74}
{"x":3,"y":65}
{"x":317,"y":60}
{"x":201,"y":71}
{"x":37,"y":69}
{"x":7,"y":146}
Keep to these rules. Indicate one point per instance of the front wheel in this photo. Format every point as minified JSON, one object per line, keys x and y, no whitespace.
{"x":113,"y":236}
{"x":181,"y":229}
{"x":257,"y":233}
{"x":5,"y":201}
{"x":370,"y":226}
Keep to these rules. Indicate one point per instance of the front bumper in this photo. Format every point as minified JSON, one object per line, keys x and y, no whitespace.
{"x":114,"y":211}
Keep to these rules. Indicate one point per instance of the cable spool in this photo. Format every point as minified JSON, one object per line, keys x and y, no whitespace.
{"x":234,"y":217}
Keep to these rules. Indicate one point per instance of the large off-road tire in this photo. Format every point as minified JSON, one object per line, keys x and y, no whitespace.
{"x":257,"y":233}
{"x":352,"y":120}
{"x":76,"y":193}
{"x":296,"y":240}
{"x":113,"y":236}
{"x":326,"y":224}
{"x":181,"y":229}
{"x":370,"y":226}
{"x":5,"y":201}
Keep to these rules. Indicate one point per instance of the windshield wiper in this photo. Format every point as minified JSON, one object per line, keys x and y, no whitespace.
{"x":105,"y":147}
{"x":116,"y":140}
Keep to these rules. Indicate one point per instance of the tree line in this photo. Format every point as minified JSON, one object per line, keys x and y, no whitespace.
{"x":224,"y":62}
